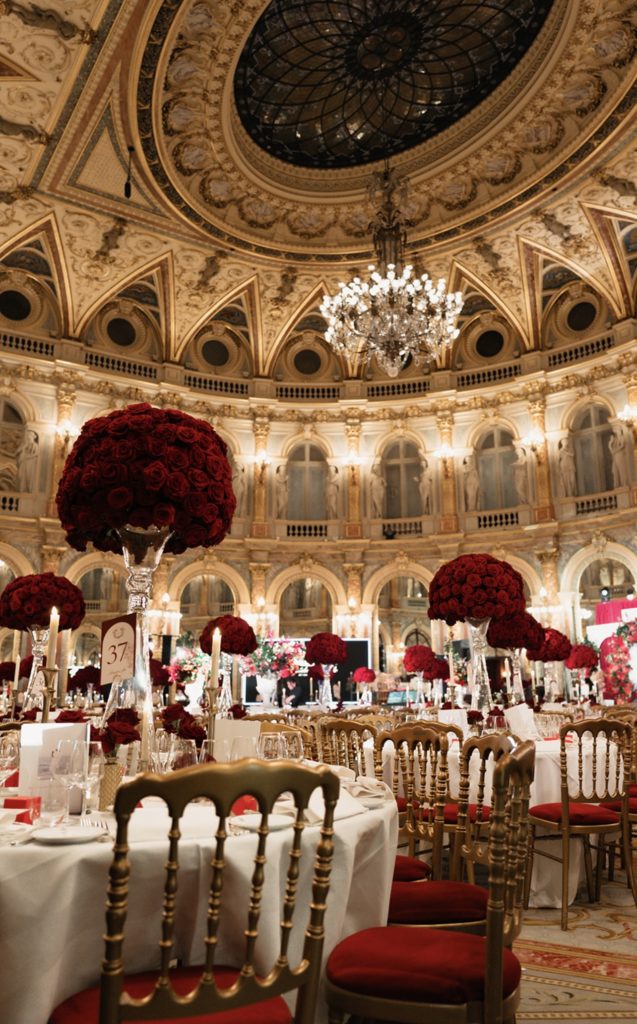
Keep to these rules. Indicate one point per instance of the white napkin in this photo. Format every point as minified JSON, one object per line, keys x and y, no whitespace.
{"x":340,"y":770}
{"x":346,"y":807}
{"x":152,"y":822}
{"x":366,"y":787}
{"x":521,"y":722}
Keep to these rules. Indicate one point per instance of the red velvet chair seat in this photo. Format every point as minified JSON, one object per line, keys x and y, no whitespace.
{"x":451,"y":813}
{"x":579,"y":814}
{"x":82,"y":1008}
{"x":436,"y":903}
{"x":401,"y":803}
{"x":632,"y":789}
{"x":417,"y":964}
{"x":410,"y":869}
{"x":616,"y":805}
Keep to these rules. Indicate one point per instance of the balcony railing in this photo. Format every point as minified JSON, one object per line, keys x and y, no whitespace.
{"x":596,"y":503}
{"x":316,"y":529}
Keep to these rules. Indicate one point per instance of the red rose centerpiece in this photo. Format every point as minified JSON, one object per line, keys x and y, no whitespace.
{"x":364,"y":678}
{"x":582,"y":659}
{"x":237,"y":639}
{"x":143,"y":480}
{"x":26,"y":603}
{"x":475,"y":589}
{"x":512,"y":634}
{"x":554,"y":648}
{"x":421,"y":660}
{"x":119,"y":729}
{"x":327,"y":650}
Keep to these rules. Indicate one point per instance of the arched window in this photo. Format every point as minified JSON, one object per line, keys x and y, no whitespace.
{"x":401,"y":470}
{"x":495,"y":456}
{"x":206,"y":597}
{"x":307,"y":479}
{"x":591,"y":433}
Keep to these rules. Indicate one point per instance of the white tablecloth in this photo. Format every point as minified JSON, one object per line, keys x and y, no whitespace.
{"x":52,"y":905}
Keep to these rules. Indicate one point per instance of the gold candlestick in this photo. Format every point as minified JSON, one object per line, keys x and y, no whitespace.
{"x":48,"y":693}
{"x":212,"y":693}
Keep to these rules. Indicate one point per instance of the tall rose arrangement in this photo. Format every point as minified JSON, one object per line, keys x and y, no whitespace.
{"x":555,"y":647}
{"x":420,"y":658}
{"x":27,"y":601}
{"x":440,"y":669}
{"x":520,"y":630}
{"x":582,"y":656}
{"x":146,"y":467}
{"x":365,"y":675}
{"x":326,"y":649}
{"x":475,"y":587}
{"x":237,"y":635}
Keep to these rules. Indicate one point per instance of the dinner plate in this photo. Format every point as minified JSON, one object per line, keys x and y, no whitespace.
{"x":62,"y":834}
{"x":253,"y":821}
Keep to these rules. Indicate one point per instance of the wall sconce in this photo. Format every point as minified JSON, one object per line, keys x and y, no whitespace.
{"x":628,"y":415}
{"x":67,"y":432}
{"x":444,"y":452}
{"x":260,"y":602}
{"x":536,"y":441}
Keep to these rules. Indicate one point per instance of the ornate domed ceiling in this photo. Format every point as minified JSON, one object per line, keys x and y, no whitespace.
{"x":340,"y":84}
{"x":254,"y":129}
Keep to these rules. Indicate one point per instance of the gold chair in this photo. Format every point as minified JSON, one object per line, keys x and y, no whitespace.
{"x":10,"y":726}
{"x":415,"y":974}
{"x":580,"y":814}
{"x":291,"y":730}
{"x":269,"y":716}
{"x":172,"y":994}
{"x":342,"y":743}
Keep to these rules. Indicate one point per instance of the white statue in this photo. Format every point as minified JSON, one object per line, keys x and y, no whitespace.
{"x":424,"y":486}
{"x":331,"y":492}
{"x":239,"y":486}
{"x":566,"y":461}
{"x":281,"y":492}
{"x":617,"y":449}
{"x":520,"y":478}
{"x":377,"y":488}
{"x":27,"y":461}
{"x":471,"y":483}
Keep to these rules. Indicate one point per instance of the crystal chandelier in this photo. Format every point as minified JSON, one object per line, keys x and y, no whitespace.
{"x":394,"y":314}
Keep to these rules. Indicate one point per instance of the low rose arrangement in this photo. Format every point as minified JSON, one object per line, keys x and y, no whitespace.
{"x":520,"y":630}
{"x":7,"y":671}
{"x":88,"y":675}
{"x":582,"y":656}
{"x":70,"y":715}
{"x":326,"y":649}
{"x":475,"y":587}
{"x":143,"y":467}
{"x":555,"y":647}
{"x":120,"y":729}
{"x":420,"y":658}
{"x":159,"y":674}
{"x":176,"y":720}
{"x":237,"y":635}
{"x":27,"y":602}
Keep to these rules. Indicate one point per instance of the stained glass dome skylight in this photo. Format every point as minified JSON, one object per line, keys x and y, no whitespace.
{"x":341,"y":83}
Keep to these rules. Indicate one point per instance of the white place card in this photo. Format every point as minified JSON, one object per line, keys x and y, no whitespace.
{"x":38,"y":740}
{"x":234,"y":737}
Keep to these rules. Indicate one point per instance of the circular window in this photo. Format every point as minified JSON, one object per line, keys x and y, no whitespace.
{"x":14,"y":305}
{"x":581,"y":316}
{"x":120,"y":331}
{"x":307,"y":361}
{"x":489,"y":344}
{"x":215,"y":353}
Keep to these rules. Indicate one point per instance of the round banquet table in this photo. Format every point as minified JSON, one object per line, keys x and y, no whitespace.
{"x":546,"y":880}
{"x":52,"y":902}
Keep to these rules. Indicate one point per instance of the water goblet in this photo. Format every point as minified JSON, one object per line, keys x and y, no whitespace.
{"x":271,"y":746}
{"x":183,"y":754}
{"x":243,"y":746}
{"x":69,"y":766}
{"x":9,"y":753}
{"x":161,"y":750}
{"x":294,"y":744}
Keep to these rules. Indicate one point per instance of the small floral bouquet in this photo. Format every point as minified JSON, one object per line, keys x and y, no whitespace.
{"x":142,"y":467}
{"x":120,"y":730}
{"x":237,"y":711}
{"x":159,"y":674}
{"x":70,"y":715}
{"x":583,"y":655}
{"x":188,"y":663}
{"x":520,"y":630}
{"x":364,"y":675}
{"x":555,"y":647}
{"x":475,"y":587}
{"x":281,"y":656}
{"x":176,"y":720}
{"x":88,"y":675}
{"x":27,"y":601}
{"x":326,"y":649}
{"x":419,"y":658}
{"x":474,"y":717}
{"x":237,"y":635}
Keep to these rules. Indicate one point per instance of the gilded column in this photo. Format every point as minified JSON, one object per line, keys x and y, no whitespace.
{"x":258,"y":572}
{"x":449,"y":501}
{"x":51,"y":558}
{"x":261,"y":430}
{"x":543,"y":511}
{"x":353,"y":525}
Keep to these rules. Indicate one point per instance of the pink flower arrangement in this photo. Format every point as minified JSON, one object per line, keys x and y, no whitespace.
{"x":520,"y":630}
{"x":237,"y":635}
{"x":144,"y":467}
{"x":27,"y":601}
{"x":326,"y":649}
{"x":475,"y":587}
{"x":420,"y":658}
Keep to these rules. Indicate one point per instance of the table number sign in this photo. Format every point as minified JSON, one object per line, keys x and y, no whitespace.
{"x":118,"y":649}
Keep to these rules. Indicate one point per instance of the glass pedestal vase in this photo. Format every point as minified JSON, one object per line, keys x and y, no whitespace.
{"x":34,"y":694}
{"x":112,"y":775}
{"x":324,"y":696}
{"x":481,"y":700}
{"x":224,"y":699}
{"x":142,"y":549}
{"x":266,"y":688}
{"x":516,"y":679}
{"x":420,"y":699}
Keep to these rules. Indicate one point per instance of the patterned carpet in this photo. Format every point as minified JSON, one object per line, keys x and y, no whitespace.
{"x":588,"y":973}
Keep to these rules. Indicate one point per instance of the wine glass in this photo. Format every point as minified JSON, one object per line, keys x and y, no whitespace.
{"x":183,"y":753}
{"x":294,"y":744}
{"x":95,"y":770}
{"x":272,"y":746}
{"x":161,"y":751}
{"x":243,"y":746}
{"x":69,"y":766}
